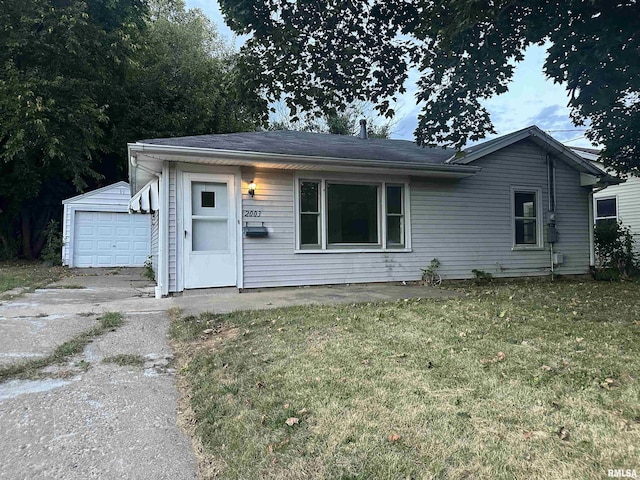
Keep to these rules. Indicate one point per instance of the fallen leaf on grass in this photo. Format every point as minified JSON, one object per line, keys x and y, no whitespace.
{"x":207,"y":331}
{"x":546,"y":368}
{"x":563,"y":433}
{"x":609,"y":383}
{"x":502,"y":314}
{"x":286,"y":406}
{"x":528,"y":435}
{"x":393,"y":438}
{"x":260,"y":385}
{"x":500,"y":357}
{"x":291,"y":421}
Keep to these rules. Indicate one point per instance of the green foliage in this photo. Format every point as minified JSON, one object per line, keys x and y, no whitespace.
{"x":430,"y":274}
{"x":481,"y":277}
{"x":614,"y":248}
{"x":148,"y":269}
{"x":60,"y":63}
{"x":81,"y":78}
{"x":329,"y":53}
{"x":52,"y":251}
{"x":343,"y":122}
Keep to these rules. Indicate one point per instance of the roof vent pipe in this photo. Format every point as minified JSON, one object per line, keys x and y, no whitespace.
{"x":363,"y":129}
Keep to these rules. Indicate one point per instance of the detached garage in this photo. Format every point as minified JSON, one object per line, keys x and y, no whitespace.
{"x":98,"y":230}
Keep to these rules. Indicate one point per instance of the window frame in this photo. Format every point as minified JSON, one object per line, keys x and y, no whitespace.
{"x":400,"y":215}
{"x":381,"y":208}
{"x":318,"y":214}
{"x":596,"y":218}
{"x":539,"y":245}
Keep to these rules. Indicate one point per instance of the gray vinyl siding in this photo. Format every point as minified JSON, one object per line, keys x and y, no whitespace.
{"x":155,"y":221}
{"x":173,"y":229}
{"x":466,"y":224}
{"x":628,"y":200}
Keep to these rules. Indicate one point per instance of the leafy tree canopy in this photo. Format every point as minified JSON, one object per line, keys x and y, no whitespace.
{"x":81,"y":78}
{"x":326,"y":54}
{"x":58,"y":62}
{"x":345,"y":122}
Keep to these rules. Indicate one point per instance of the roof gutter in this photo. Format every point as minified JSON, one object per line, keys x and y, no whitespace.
{"x":249,"y":158}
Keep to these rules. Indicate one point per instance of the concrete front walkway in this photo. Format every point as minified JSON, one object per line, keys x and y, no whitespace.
{"x":91,"y":419}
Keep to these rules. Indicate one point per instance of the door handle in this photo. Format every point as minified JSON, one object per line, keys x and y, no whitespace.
{"x":185,"y":234}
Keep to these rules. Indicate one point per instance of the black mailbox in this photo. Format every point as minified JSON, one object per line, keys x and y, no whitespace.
{"x":256,"y":232}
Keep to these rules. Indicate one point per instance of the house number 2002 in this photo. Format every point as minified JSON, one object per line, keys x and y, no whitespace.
{"x":252,"y":213}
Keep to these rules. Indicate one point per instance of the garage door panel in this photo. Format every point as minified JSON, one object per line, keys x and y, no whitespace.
{"x":105,"y":239}
{"x":84,"y":246}
{"x":140,"y":247}
{"x":104,"y":245}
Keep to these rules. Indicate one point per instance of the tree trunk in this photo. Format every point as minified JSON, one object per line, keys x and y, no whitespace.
{"x":26,"y":234}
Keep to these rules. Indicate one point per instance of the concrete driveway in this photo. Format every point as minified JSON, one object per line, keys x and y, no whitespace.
{"x":91,"y":419}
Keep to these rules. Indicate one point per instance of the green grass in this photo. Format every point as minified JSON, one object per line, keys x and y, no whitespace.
{"x":70,"y":348}
{"x":28,"y":275}
{"x":125,"y":359}
{"x":518,"y":380}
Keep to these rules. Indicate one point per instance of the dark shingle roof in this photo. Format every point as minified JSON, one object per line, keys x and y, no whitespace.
{"x":312,"y":145}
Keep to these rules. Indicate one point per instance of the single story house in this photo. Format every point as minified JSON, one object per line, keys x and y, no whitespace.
{"x":99,"y":231}
{"x":616,"y":202}
{"x":282,"y":208}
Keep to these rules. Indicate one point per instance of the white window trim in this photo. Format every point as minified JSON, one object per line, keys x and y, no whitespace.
{"x":381,"y":246}
{"x":539,"y":217}
{"x":595,"y":208}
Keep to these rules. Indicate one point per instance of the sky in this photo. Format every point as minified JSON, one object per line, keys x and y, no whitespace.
{"x":531,"y":100}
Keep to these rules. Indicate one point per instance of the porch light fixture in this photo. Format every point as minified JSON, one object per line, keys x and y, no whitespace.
{"x":252,"y":188}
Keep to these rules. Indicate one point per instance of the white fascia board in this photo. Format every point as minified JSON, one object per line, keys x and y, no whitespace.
{"x":257,"y":159}
{"x":121,"y":183}
{"x":537,"y":136}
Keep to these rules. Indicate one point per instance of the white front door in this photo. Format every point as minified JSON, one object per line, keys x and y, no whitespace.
{"x":209,"y":231}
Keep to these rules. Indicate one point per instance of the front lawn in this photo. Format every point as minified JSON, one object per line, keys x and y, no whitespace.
{"x":520,"y":380}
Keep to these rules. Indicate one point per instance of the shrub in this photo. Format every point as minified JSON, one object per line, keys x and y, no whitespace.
{"x":614,"y":249}
{"x":52,"y":251}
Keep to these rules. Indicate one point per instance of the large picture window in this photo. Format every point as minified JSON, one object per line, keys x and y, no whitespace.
{"x":352,"y":214}
{"x":341,"y":215}
{"x":526,"y":221}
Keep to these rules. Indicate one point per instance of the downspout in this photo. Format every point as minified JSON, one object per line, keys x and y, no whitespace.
{"x":551,"y":222}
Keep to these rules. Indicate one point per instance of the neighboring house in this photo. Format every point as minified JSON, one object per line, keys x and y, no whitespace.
{"x":616,"y":202}
{"x":266,"y":209}
{"x":99,"y":231}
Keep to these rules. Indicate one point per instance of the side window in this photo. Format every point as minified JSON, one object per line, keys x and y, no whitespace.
{"x":310,"y":214}
{"x":526,"y":223}
{"x":606,"y":210}
{"x":395,"y":216}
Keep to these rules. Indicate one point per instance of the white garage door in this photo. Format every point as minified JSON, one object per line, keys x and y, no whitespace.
{"x":110,"y":239}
